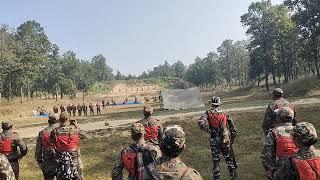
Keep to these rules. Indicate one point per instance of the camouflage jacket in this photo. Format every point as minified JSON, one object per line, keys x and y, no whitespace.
{"x":270,"y":115}
{"x":268,"y":154}
{"x":152,"y":122}
{"x":228,"y":133}
{"x":169,"y":168}
{"x":6,"y":172}
{"x":117,"y":171}
{"x":19,"y":147}
{"x":288,"y":170}
{"x":41,"y":154}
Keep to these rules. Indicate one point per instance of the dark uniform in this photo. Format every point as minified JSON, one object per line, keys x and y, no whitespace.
{"x":66,"y":142}
{"x":305,"y":164}
{"x":270,"y":115}
{"x":103,"y":104}
{"x":136,"y":156}
{"x":222,"y":132}
{"x":170,"y":165}
{"x":6,"y":172}
{"x":69,"y":109}
{"x":91,"y":108}
{"x":98,"y":108}
{"x":278,"y":144}
{"x":79,"y":108}
{"x":74,"y":109}
{"x":85,"y":109}
{"x":45,"y":152}
{"x":12,"y":146}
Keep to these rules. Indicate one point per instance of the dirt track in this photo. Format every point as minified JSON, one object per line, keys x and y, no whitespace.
{"x":33,"y":131}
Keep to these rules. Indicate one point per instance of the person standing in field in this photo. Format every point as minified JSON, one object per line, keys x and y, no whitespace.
{"x":98,"y":108}
{"x":91,"y":108}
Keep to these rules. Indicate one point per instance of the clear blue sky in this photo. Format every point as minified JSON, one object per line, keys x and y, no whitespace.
{"x":134,"y":35}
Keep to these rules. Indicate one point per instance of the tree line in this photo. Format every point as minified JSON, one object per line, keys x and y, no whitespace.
{"x":32,"y":65}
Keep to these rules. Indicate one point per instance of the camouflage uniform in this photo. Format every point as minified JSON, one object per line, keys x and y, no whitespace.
{"x":91,"y":108}
{"x":19,"y":148}
{"x":45,"y":154}
{"x":170,"y":165}
{"x":221,"y":140}
{"x":278,"y":143}
{"x":69,"y":109}
{"x":74,"y":109}
{"x":79,"y":108}
{"x":270,"y":115}
{"x":305,"y":164}
{"x":62,"y":155}
{"x":98,"y":108}
{"x":145,"y":154}
{"x":6,"y":172}
{"x":85,"y":109}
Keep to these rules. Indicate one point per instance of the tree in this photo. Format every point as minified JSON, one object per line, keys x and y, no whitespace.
{"x":179,"y":69}
{"x":103,"y":72}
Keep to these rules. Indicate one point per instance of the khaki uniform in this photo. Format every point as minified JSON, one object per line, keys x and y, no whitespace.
{"x":19,"y":150}
{"x":270,"y":115}
{"x":46,"y":157}
{"x":6,"y":172}
{"x":167,"y":168}
{"x":74,"y":154}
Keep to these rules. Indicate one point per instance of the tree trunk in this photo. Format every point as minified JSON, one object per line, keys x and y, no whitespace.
{"x":82,"y":95}
{"x":316,"y":61}
{"x":28,"y":91}
{"x":273,"y":75}
{"x":267,"y":74}
{"x":61,"y":94}
{"x":10,"y":90}
{"x":57,"y":93}
{"x":21,"y":94}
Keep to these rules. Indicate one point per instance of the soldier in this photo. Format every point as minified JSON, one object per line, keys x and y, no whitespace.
{"x":69,"y":109}
{"x":278,"y":143}
{"x":277,"y":103}
{"x":91,"y":108}
{"x":6,"y":172}
{"x":222,"y":132}
{"x":45,"y":152}
{"x":79,"y":108}
{"x":62,"y":109}
{"x":137,"y":155}
{"x":85,"y":109}
{"x":55,"y":109}
{"x":74,"y":109}
{"x":98,"y":108}
{"x":12,"y":146}
{"x":152,"y":126}
{"x":65,"y":139}
{"x":103,"y":104}
{"x":170,"y":166}
{"x":305,"y":164}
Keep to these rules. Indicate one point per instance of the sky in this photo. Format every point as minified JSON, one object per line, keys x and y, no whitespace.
{"x":134,"y":35}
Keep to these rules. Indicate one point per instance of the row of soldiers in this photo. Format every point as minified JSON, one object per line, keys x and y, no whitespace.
{"x":57,"y":150}
{"x":81,"y":109}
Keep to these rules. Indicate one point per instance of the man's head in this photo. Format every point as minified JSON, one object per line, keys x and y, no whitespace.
{"x":172,"y":142}
{"x":52,"y":119}
{"x":285,"y":115}
{"x":215,"y":101}
{"x":137,"y":131}
{"x":147,"y":111}
{"x":7,"y":125}
{"x":277,"y":93}
{"x":64,"y":117}
{"x":304,"y":134}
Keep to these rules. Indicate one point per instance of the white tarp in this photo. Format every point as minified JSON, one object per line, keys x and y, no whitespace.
{"x":182,"y":98}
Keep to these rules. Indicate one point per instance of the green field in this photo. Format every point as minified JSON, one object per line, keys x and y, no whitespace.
{"x":101,"y":150}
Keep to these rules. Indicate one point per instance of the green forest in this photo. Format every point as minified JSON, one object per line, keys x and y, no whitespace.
{"x":283,"y":45}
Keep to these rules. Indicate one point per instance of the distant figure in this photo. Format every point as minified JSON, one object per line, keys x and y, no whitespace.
{"x":136,"y":100}
{"x":277,"y":103}
{"x":69,"y":109}
{"x":108,"y":103}
{"x":113,"y":102}
{"x":62,"y":109}
{"x":103,"y":104}
{"x":79,"y":108}
{"x":74,"y":109}
{"x":55,"y":109}
{"x":42,"y":111}
{"x":91,"y":108}
{"x":85,"y":109}
{"x":98,"y":108}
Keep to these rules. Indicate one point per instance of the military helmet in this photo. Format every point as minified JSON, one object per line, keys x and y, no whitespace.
{"x":305,"y":132}
{"x":53,"y":118}
{"x":137,"y":128}
{"x":285,"y":114}
{"x":215,"y":101}
{"x":147,"y":110}
{"x":277,"y":92}
{"x":173,"y":140}
{"x":7,"y":124}
{"x":63,"y":116}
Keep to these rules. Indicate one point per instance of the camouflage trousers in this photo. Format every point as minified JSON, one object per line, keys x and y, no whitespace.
{"x":218,"y":148}
{"x":49,"y":169}
{"x":15,"y":168}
